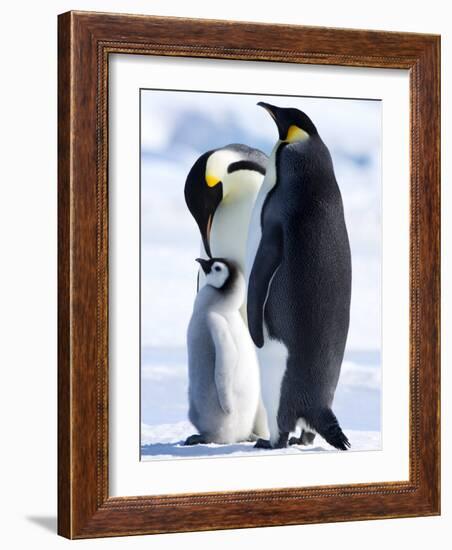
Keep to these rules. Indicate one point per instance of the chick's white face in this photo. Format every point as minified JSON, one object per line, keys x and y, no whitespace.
{"x":218,"y":275}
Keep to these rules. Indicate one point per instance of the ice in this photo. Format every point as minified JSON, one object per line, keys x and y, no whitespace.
{"x":165,"y":441}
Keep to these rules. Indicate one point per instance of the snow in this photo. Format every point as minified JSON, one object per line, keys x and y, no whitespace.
{"x":354,"y":375}
{"x":164,"y":408}
{"x":165,"y":441}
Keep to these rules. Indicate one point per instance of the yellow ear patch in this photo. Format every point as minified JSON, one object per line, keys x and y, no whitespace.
{"x":212,"y":180}
{"x":294,"y":133}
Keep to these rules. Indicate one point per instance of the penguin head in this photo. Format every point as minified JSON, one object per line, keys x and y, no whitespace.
{"x":293,"y":125}
{"x":218,"y":271}
{"x":218,"y":174}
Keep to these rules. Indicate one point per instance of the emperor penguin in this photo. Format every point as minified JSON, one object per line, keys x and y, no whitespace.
{"x":222,"y":364}
{"x":299,"y":287}
{"x":220,"y":192}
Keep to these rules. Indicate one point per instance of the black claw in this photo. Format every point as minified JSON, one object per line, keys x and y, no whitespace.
{"x":282,"y":440}
{"x":263,"y":444}
{"x":280,"y":444}
{"x":306,"y":438}
{"x":194,"y":439}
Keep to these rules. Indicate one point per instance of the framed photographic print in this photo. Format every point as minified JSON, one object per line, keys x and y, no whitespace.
{"x":248,"y":275}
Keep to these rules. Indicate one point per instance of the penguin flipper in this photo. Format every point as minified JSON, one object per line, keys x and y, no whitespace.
{"x":267,"y":260}
{"x":226,"y":357}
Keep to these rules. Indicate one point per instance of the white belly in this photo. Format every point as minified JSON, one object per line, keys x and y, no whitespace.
{"x":272,"y":364}
{"x":246,"y":378}
{"x":231,"y":221}
{"x":229,"y":231}
{"x":273,"y":355}
{"x":255,"y":230}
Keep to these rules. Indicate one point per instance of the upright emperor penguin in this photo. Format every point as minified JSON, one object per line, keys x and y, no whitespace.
{"x":300,"y":284}
{"x":223,"y":370}
{"x":220,"y":192}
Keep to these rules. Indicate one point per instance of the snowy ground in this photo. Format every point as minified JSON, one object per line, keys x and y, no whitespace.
{"x":164,"y":405}
{"x":166,"y":441}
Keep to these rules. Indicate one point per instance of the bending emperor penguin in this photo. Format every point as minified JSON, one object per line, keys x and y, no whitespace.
{"x":299,"y":288}
{"x":222,"y":364}
{"x":220,"y":192}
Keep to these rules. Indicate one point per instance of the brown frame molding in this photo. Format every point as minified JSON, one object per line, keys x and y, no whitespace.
{"x":85,"y":41}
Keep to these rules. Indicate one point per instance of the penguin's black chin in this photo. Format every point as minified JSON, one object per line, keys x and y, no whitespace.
{"x":212,"y":197}
{"x":205,"y":235}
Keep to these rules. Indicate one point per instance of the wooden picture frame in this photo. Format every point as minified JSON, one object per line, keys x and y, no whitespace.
{"x":85,"y":42}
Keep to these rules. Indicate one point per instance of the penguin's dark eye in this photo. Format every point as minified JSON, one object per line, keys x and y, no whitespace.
{"x":217,"y":268}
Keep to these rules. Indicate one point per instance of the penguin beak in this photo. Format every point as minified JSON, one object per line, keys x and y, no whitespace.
{"x":205,"y":226}
{"x":205,"y":264}
{"x":202,"y":201}
{"x":278,"y":115}
{"x":204,"y":217}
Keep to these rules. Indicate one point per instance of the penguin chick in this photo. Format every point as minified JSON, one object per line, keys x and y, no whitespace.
{"x":222,"y":364}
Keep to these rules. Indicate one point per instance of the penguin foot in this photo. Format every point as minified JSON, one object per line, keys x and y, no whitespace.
{"x":263,"y":444}
{"x":195,"y":439}
{"x":266,"y":444}
{"x":306,"y":438}
{"x":282,"y":440}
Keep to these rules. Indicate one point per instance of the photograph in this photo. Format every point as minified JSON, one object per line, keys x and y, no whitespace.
{"x":260,"y":274}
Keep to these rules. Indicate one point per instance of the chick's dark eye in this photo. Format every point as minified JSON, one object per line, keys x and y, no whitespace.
{"x":217,"y":268}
